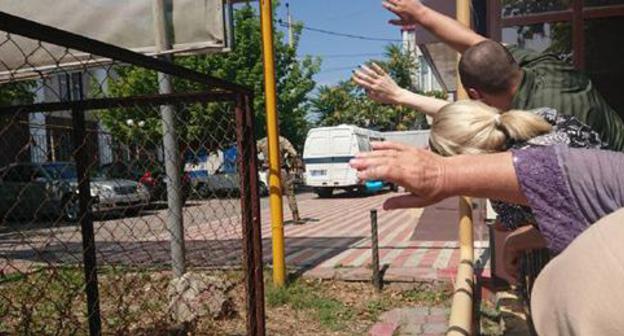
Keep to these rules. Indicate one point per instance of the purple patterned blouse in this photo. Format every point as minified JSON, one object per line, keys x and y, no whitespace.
{"x":569,"y":189}
{"x":568,"y":131}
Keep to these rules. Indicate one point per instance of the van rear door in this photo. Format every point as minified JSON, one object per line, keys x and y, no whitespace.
{"x":344,"y":147}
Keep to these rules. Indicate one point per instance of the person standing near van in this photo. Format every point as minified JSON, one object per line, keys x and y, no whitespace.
{"x":290,"y":163}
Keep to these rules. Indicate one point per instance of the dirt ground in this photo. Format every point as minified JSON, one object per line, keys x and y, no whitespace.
{"x":133,"y":303}
{"x":312,"y":307}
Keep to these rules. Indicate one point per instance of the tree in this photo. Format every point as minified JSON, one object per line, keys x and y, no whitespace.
{"x":18,"y":92}
{"x":13,"y":93}
{"x":346,"y":103}
{"x":210,"y":124}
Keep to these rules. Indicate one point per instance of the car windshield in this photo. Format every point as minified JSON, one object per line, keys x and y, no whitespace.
{"x":67,"y":171}
{"x":120,"y":170}
{"x":61,"y":171}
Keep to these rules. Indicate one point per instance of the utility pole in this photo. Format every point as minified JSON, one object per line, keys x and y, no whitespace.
{"x":170,"y":144}
{"x":275,"y":178}
{"x":291,"y":36}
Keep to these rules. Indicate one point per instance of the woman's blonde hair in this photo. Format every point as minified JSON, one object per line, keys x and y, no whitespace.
{"x":472,"y":127}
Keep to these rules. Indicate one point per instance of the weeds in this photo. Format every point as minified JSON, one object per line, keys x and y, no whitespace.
{"x":377,"y":306}
{"x":306,"y":296}
{"x":428,"y":294}
{"x":135,"y":302}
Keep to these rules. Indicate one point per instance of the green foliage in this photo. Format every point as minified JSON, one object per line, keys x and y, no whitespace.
{"x":38,"y":301}
{"x":305,"y":296}
{"x":377,"y":306}
{"x":243,"y":65}
{"x":17,"y":93}
{"x":427,"y":294}
{"x":346,"y":103}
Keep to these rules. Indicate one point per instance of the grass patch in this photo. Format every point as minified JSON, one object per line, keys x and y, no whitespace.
{"x":309,"y":297}
{"x":44,"y":302}
{"x":377,"y":306}
{"x":428,"y":294}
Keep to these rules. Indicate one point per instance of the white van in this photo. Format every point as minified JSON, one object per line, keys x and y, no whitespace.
{"x":326,"y":155}
{"x":414,"y":138}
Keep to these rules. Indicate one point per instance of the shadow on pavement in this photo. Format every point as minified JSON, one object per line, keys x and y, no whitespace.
{"x":301,"y":253}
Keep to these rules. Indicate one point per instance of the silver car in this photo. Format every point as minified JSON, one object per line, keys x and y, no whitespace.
{"x":51,"y":189}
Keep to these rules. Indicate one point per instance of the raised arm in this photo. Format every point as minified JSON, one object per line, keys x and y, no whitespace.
{"x":447,"y":29}
{"x":430,"y":178}
{"x":567,"y":189}
{"x":380,"y":87}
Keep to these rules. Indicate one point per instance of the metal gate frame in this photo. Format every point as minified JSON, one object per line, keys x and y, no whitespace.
{"x":217,"y":90}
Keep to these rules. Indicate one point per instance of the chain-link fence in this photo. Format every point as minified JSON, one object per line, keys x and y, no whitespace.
{"x":125,"y":208}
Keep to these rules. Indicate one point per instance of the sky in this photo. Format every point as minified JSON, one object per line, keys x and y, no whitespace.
{"x":340,"y":55}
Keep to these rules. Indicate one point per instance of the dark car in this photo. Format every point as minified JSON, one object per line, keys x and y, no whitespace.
{"x":153,"y":176}
{"x":51,"y":189}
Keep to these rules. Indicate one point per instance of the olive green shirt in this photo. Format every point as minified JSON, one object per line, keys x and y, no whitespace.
{"x":550,"y":82}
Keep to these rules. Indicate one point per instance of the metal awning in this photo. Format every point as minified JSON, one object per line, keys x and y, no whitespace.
{"x":196,"y":26}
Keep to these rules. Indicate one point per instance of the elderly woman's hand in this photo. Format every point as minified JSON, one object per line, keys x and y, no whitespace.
{"x":419,"y":171}
{"x":379,"y":86}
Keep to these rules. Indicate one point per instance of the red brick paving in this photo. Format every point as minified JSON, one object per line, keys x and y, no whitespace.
{"x":334,"y":242}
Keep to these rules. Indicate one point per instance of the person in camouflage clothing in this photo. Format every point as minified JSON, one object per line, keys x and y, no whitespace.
{"x":290,"y":166}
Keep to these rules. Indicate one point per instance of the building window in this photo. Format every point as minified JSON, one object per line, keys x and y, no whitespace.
{"x":584,"y":32}
{"x":511,"y":8}
{"x":552,"y":37}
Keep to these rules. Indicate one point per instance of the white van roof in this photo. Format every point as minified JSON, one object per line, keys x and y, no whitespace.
{"x":352,"y":128}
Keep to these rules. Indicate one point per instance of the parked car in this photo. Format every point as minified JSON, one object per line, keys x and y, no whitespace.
{"x":152,"y":176}
{"x":222,"y":183}
{"x":224,"y":180}
{"x":51,"y":189}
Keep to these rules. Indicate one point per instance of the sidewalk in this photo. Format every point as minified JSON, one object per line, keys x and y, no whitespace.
{"x":335,"y":241}
{"x":421,"y":321}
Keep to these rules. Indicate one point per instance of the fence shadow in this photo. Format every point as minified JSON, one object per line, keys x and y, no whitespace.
{"x":301,"y":253}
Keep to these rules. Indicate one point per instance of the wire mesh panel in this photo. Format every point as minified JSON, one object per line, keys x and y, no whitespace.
{"x":124,"y":210}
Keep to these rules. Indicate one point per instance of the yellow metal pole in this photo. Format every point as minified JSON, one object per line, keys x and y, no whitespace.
{"x":275,"y":185}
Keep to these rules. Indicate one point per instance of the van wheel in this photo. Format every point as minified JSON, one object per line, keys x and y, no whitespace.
{"x":394,"y":187}
{"x":70,"y":208}
{"x":203,"y":191}
{"x":324,"y":192}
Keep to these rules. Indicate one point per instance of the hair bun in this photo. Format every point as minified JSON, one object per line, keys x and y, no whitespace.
{"x":498,"y":120}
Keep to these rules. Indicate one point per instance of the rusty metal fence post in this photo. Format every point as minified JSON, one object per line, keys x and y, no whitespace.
{"x":252,"y":240}
{"x":375,"y":251}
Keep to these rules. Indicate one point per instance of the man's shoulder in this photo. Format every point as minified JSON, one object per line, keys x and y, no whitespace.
{"x":521,"y":54}
{"x":530,"y":58}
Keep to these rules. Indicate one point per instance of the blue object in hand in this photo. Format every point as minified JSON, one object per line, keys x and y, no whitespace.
{"x":373,"y":186}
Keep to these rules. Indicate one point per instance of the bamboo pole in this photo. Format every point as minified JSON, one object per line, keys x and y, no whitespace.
{"x":460,"y":321}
